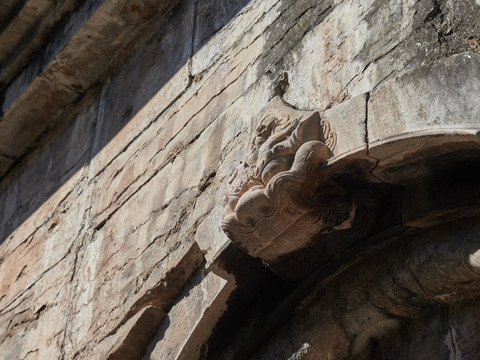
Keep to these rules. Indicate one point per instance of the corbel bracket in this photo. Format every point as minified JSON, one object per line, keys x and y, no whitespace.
{"x":272,"y":209}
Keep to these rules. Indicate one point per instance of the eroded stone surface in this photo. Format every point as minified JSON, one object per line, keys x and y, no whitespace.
{"x":103,"y":301}
{"x":267,"y":201}
{"x":139,"y":331}
{"x":68,"y":48}
{"x":120,"y":213}
{"x":184,"y":334}
{"x":437,"y":98}
{"x":34,"y":280}
{"x":348,"y":122}
{"x":383,"y":307}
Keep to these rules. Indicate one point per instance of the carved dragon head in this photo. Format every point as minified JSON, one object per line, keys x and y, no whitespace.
{"x":266,"y":205}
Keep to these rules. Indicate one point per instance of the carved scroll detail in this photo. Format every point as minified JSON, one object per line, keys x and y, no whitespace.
{"x":270,"y":210}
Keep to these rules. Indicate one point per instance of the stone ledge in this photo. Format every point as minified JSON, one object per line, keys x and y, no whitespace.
{"x":66,"y":58}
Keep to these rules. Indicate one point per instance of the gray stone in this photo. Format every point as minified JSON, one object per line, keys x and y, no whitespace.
{"x":137,"y":333}
{"x":190,"y":321}
{"x":348,"y":122}
{"x":439,"y":98}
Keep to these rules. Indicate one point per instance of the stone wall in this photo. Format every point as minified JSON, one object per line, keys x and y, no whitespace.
{"x":111,"y":239}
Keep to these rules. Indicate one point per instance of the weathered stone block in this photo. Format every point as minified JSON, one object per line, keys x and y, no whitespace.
{"x":209,"y":235}
{"x":235,"y":37}
{"x":439,"y":98}
{"x":186,"y":329}
{"x":123,"y":277}
{"x":136,"y":333}
{"x":33,"y":323}
{"x":348,"y":122}
{"x":42,"y":250}
{"x":189,"y":147}
{"x":152,"y":84}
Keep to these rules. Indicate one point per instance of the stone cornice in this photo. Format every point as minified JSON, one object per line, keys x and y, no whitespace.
{"x":52,"y":55}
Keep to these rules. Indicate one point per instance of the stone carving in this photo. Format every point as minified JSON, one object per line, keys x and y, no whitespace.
{"x":270,"y":210}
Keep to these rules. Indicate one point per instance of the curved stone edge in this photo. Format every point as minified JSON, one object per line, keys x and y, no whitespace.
{"x":442,"y":97}
{"x":391,"y":134}
{"x":392,"y":287}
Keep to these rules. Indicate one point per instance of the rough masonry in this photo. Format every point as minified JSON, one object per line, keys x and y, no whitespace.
{"x":336,"y":141}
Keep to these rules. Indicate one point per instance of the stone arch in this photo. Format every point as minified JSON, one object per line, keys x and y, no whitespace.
{"x":376,"y":204}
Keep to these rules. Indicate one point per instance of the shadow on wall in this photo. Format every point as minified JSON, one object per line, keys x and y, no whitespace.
{"x":160,"y":69}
